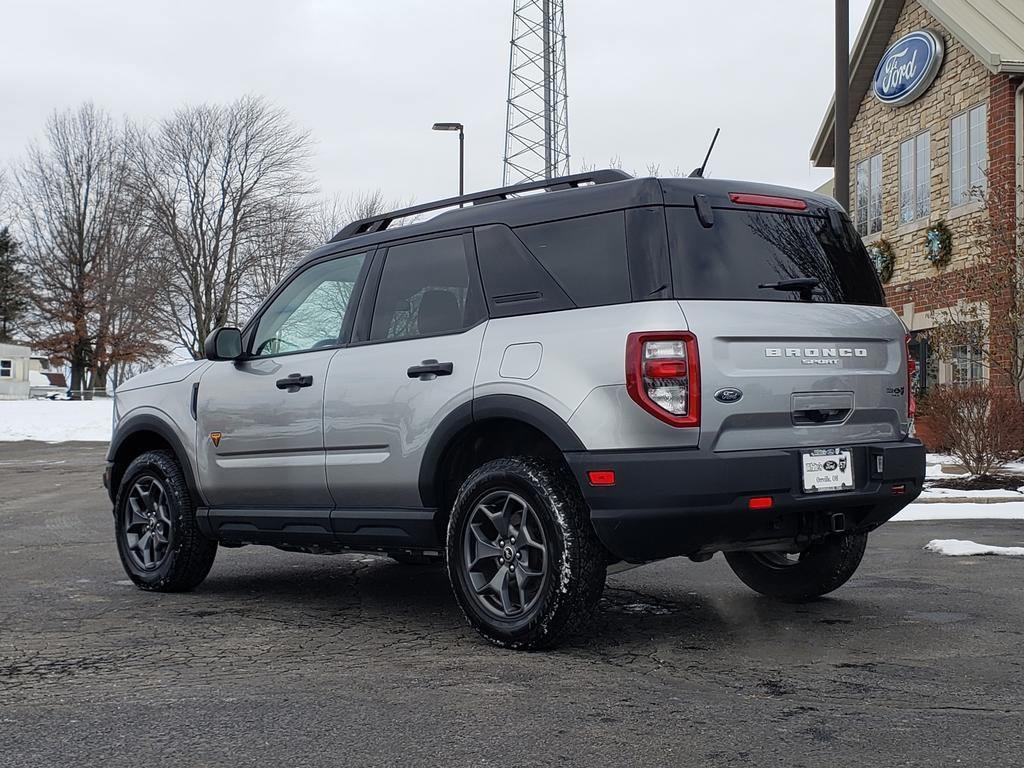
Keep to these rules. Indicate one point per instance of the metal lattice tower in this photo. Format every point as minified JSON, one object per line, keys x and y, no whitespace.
{"x":537,"y":122}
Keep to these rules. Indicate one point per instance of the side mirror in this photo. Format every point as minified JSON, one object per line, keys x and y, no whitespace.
{"x":223,"y":344}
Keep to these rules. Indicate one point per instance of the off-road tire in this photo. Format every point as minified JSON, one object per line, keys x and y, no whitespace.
{"x":417,"y":558}
{"x":576,"y":560}
{"x":826,"y":565}
{"x":189,"y":555}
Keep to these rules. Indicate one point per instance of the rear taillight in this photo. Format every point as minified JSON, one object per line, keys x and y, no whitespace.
{"x":911,"y":370}
{"x":663,"y":375}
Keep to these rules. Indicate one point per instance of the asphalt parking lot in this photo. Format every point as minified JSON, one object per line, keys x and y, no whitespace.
{"x":285,"y":659}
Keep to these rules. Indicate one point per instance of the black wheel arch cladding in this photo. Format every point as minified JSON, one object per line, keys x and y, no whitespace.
{"x":129,"y":431}
{"x":510,"y":407}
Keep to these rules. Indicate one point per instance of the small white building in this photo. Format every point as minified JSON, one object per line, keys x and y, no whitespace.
{"x":14,"y":372}
{"x":24,"y":374}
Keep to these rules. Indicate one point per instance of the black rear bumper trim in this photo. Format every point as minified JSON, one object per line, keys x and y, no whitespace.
{"x":681,"y":502}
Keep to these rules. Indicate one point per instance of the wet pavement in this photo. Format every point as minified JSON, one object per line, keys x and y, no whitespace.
{"x":288,"y":659}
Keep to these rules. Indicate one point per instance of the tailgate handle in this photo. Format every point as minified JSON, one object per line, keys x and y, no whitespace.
{"x":814,"y":408}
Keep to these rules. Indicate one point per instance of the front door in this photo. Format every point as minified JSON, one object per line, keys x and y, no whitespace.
{"x":387,"y":393}
{"x":260,"y":419}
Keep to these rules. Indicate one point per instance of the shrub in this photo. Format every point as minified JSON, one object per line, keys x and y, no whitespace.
{"x":982,"y":427}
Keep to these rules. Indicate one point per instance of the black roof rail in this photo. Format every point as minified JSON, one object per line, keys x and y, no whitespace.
{"x":382,"y":221}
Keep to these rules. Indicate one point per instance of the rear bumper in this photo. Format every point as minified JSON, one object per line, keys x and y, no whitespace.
{"x":687,"y":502}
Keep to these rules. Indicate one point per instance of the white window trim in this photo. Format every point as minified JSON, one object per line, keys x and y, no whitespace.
{"x":10,"y":363}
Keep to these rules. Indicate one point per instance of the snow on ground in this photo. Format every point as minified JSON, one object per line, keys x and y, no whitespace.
{"x":1009,"y":510}
{"x":56,"y":421}
{"x":954,"y":493}
{"x":934,"y":466}
{"x":960,"y":548}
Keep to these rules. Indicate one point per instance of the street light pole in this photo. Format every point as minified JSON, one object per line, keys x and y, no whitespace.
{"x":462,"y":151}
{"x":841,"y":137}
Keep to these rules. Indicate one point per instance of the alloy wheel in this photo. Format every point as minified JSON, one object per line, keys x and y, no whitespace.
{"x":147,"y":523}
{"x":505,"y":554}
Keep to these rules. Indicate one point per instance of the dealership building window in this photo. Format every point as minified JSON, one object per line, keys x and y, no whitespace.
{"x":869,"y":195}
{"x":966,"y":365}
{"x":968,"y":145}
{"x":915,"y":178}
{"x":6,"y":369}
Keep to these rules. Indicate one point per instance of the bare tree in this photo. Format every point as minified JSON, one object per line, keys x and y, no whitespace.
{"x":651,"y":169}
{"x":128,"y":331}
{"x":283,"y":238}
{"x":6,"y":205}
{"x":213,"y":177}
{"x":81,"y":238}
{"x":333,"y":213}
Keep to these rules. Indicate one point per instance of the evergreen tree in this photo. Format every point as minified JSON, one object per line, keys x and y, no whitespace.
{"x":13,"y":286}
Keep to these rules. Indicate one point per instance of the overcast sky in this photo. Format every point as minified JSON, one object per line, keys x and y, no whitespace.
{"x":649,"y":80}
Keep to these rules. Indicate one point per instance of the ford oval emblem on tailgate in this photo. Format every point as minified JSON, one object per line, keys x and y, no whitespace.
{"x":728,"y":395}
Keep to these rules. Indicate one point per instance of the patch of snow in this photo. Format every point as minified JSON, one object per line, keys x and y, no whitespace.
{"x":655,"y":610}
{"x":56,"y":421}
{"x":945,"y":493}
{"x":960,"y":548}
{"x":1010,"y":510}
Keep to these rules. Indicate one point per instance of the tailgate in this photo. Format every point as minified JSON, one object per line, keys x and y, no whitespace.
{"x":809,"y":374}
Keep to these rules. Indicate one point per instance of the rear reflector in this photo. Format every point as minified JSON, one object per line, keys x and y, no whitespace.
{"x":601,"y":477}
{"x":769,"y":201}
{"x":761,"y":502}
{"x":899,"y":490}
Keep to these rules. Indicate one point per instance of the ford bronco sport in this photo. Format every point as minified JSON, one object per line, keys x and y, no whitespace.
{"x":532,"y":387}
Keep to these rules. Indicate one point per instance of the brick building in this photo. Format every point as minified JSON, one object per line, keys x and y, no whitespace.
{"x":937,"y":135}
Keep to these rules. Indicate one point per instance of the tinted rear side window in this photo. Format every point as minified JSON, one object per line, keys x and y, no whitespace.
{"x":425,"y":290}
{"x":746,"y":248}
{"x":586,"y":256}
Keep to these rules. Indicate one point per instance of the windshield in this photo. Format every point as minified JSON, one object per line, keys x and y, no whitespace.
{"x":744,"y":249}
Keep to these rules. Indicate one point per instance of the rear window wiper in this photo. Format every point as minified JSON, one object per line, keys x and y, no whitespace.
{"x":804,"y":285}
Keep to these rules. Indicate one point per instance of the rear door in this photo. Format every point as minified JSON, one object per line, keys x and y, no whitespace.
{"x":412,"y":361}
{"x":777,"y":370}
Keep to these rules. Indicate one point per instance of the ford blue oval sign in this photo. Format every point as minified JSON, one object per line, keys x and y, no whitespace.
{"x":908,"y":67}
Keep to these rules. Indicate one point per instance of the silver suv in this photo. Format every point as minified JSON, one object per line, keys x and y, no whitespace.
{"x":533,"y":387}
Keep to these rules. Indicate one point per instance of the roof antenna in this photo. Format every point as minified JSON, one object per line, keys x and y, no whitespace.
{"x":698,"y":173}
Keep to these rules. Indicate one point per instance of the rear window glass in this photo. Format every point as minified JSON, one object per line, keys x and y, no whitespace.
{"x":586,"y":256}
{"x":744,"y":249}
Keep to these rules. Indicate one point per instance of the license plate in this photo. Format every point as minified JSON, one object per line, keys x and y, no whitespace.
{"x":827,"y":469}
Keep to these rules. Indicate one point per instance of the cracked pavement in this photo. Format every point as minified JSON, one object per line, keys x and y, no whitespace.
{"x":290,"y":659}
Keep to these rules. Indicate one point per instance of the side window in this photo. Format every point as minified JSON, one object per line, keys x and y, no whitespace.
{"x":586,"y":256}
{"x":869,"y":196}
{"x":968,"y":155}
{"x":309,"y":312}
{"x":425,"y":290}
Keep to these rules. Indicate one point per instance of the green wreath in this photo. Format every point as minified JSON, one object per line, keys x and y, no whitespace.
{"x":883,"y":258}
{"x":938,"y":243}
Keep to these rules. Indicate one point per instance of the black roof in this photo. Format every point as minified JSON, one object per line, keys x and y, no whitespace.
{"x":565,"y":197}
